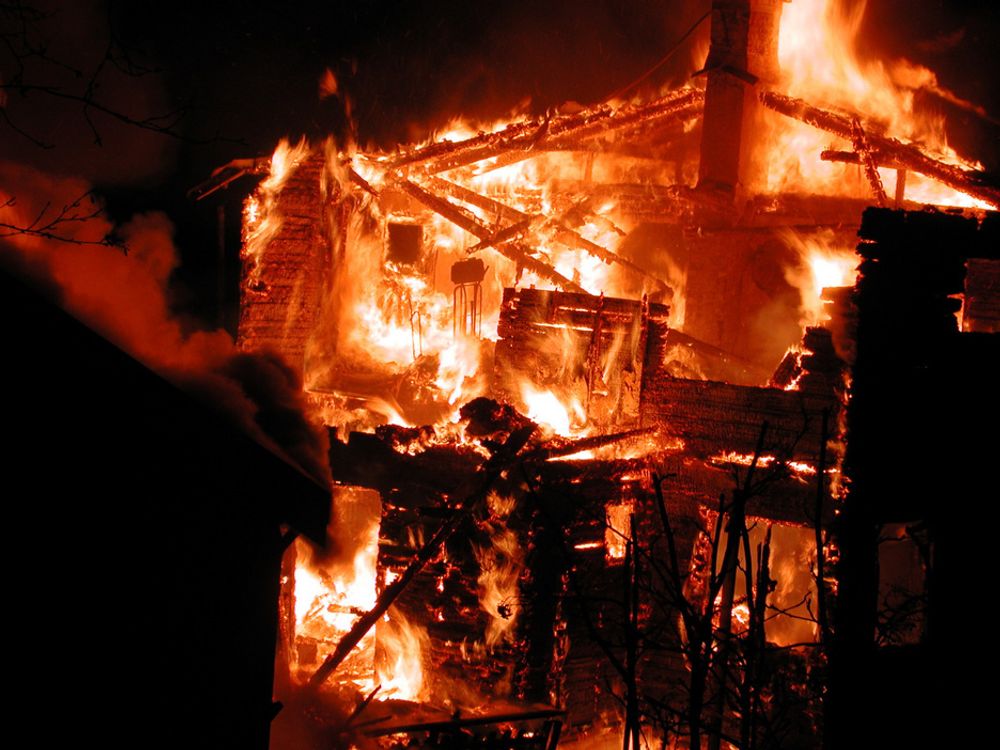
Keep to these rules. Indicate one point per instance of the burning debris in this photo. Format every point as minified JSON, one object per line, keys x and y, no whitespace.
{"x":555,"y":353}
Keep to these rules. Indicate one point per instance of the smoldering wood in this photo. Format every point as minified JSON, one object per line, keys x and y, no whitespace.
{"x":907,"y":155}
{"x":787,"y":372}
{"x":491,"y":471}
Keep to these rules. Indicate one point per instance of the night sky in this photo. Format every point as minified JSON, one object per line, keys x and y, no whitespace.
{"x":240,"y":77}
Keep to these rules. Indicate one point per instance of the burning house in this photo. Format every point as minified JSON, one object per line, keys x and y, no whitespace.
{"x":605,"y":391}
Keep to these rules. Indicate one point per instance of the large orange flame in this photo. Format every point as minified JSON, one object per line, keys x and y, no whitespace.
{"x":816,"y":52}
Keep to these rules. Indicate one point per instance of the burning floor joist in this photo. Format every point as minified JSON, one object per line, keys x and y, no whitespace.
{"x":595,"y":384}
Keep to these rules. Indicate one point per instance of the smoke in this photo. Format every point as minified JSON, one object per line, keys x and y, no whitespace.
{"x":52,"y":229}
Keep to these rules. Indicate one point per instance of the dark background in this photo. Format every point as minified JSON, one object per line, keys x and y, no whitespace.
{"x":241,"y":77}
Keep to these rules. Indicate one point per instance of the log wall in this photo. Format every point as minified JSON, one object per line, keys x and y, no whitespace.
{"x":280,"y":311}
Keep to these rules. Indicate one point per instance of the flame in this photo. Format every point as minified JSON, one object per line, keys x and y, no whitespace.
{"x":261,"y":217}
{"x":823,"y":264}
{"x":816,"y":44}
{"x":328,"y":599}
{"x":399,"y":670}
{"x":546,"y":408}
{"x":500,"y":566}
{"x":764,"y":461}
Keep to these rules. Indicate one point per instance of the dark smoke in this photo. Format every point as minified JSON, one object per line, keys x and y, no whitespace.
{"x":125,"y":296}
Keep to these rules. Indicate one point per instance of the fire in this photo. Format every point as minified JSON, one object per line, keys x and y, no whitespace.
{"x":765,"y":461}
{"x":404,"y":333}
{"x":823,"y":264}
{"x":500,"y":566}
{"x":262,"y":220}
{"x":328,"y":599}
{"x":816,"y":53}
{"x":399,"y":658}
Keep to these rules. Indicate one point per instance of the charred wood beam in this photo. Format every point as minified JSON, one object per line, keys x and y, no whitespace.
{"x":512,"y":232}
{"x":593,"y":362}
{"x":525,"y":260}
{"x":491,"y":471}
{"x":502,"y":211}
{"x":861,"y":145}
{"x":563,"y":234}
{"x":222,"y":176}
{"x":572,"y":238}
{"x":900,"y":195}
{"x":574,"y":132}
{"x":455,"y":214}
{"x":852,"y":157}
{"x":472,"y":225}
{"x":361,"y":182}
{"x":557,"y":133}
{"x":906,"y":154}
{"x":680,"y":104}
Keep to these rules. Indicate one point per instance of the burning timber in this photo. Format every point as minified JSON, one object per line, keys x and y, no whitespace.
{"x":589,"y":382}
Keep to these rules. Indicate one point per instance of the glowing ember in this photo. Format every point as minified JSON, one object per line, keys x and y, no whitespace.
{"x":765,"y":461}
